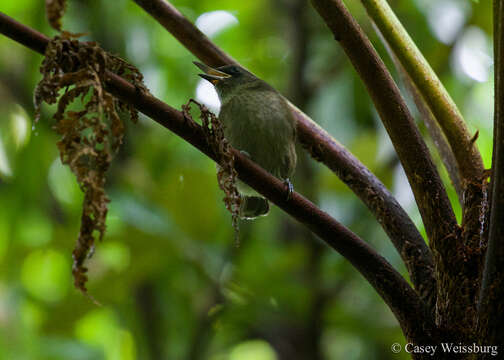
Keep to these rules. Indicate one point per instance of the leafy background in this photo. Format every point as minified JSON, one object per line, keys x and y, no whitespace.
{"x":170,"y":279}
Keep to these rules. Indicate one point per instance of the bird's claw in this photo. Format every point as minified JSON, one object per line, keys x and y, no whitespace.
{"x":290,"y":188}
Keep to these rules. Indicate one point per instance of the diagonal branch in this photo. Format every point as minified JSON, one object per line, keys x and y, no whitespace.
{"x":432,"y":90}
{"x":492,"y":291}
{"x":423,"y":177}
{"x":324,"y":148}
{"x":409,"y":310}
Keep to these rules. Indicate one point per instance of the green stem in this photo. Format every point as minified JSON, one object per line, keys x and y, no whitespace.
{"x":432,"y":90}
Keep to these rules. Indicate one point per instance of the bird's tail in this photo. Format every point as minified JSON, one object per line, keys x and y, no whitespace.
{"x":253,"y":207}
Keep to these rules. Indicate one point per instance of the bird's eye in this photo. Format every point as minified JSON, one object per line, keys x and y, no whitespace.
{"x":234,"y":71}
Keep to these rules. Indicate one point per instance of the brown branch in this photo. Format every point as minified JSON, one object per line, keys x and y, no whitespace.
{"x":409,"y":310}
{"x":324,"y":148}
{"x":23,"y":34}
{"x":423,"y":177}
{"x":491,"y":309}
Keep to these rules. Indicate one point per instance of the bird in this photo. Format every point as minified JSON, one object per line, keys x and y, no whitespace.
{"x":258,"y":122}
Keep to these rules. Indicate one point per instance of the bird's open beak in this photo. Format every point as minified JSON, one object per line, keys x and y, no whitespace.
{"x":211,"y":74}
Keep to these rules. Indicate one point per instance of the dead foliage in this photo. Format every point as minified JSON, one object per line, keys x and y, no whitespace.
{"x":226,"y":173}
{"x":87,"y":118}
{"x":55,"y":9}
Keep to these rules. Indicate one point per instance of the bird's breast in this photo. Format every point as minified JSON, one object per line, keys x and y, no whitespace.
{"x":260,"y":123}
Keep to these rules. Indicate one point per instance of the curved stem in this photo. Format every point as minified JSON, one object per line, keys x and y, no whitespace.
{"x":409,"y":310}
{"x":437,"y":98}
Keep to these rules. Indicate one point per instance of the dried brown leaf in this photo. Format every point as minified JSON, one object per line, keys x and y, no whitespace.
{"x":226,"y":173}
{"x":55,"y":9}
{"x":74,"y":74}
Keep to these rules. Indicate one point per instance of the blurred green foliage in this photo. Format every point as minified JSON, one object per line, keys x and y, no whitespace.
{"x":171,"y":282}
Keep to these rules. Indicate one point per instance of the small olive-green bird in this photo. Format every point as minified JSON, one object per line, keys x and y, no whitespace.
{"x":258,"y":122}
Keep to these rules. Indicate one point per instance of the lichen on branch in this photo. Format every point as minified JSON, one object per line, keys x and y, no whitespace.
{"x":87,"y":118}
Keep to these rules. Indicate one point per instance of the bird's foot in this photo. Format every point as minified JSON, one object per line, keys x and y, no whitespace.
{"x":290,"y":188}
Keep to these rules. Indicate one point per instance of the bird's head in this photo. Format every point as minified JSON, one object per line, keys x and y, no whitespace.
{"x":227,"y":78}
